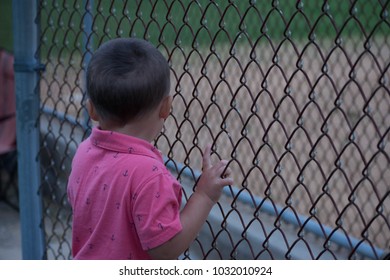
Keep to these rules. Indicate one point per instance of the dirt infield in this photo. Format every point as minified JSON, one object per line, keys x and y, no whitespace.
{"x":299,"y":127}
{"x":304,"y":126}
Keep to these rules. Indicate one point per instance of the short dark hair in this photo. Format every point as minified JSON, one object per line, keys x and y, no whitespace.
{"x":126,"y":78}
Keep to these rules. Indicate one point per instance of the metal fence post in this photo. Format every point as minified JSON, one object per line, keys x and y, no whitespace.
{"x":87,"y":49}
{"x":26,"y":65}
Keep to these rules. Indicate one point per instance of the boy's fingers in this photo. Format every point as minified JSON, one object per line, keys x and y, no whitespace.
{"x":227,"y":181}
{"x":226,"y":173}
{"x":206,"y":157}
{"x":220,"y":166}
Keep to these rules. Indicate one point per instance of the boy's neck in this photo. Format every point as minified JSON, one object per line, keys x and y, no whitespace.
{"x":143,"y":128}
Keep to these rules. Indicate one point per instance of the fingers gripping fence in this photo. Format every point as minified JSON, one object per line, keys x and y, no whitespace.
{"x":295,"y":94}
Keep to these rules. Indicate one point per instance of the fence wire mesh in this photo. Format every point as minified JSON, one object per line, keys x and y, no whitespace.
{"x":295,"y":94}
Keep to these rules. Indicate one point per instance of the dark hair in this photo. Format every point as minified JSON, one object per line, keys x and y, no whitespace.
{"x":126,"y":78}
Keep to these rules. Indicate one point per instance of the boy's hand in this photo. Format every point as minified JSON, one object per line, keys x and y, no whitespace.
{"x":214,"y":177}
{"x":197,"y":208}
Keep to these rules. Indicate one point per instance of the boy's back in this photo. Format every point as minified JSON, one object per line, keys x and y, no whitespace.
{"x":117,"y":178}
{"x":125,"y":203}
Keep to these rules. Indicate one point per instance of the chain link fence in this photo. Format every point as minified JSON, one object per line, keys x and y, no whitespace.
{"x":295,"y":94}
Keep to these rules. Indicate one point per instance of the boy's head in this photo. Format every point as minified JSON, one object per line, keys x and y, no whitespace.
{"x":126,"y":78}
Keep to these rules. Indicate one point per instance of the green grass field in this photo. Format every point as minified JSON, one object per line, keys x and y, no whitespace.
{"x":6,"y":25}
{"x":189,"y":23}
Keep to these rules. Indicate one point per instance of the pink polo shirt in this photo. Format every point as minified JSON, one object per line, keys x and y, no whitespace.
{"x":124,"y":200}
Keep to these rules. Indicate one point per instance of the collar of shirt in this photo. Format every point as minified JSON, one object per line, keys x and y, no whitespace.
{"x":122,"y":143}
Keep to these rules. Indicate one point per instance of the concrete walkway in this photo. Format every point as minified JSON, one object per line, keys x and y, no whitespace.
{"x":10,"y":243}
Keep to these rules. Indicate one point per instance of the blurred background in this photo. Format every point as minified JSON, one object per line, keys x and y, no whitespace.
{"x":295,"y":94}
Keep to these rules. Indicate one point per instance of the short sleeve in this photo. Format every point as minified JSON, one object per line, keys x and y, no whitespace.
{"x":156,"y":210}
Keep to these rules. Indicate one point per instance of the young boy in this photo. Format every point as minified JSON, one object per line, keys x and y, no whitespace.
{"x":126,"y":204}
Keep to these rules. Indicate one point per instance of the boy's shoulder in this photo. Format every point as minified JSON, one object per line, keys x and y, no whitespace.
{"x":147,"y":164}
{"x":129,"y":155}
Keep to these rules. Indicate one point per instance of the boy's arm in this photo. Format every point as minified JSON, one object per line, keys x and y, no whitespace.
{"x":197,"y":208}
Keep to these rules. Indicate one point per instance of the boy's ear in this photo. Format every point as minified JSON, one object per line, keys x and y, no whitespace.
{"x":165,"y":108}
{"x":92,"y":110}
